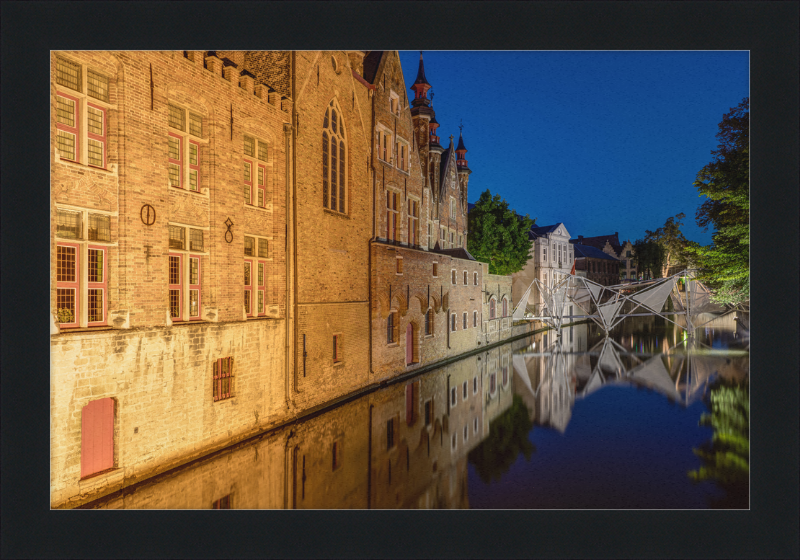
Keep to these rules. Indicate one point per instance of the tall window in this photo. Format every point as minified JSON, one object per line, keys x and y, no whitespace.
{"x":492,"y":310}
{"x":474,"y":278}
{"x":392,"y":211}
{"x":81,"y":291}
{"x":391,"y":328}
{"x":429,"y":322}
{"x":337,"y":348}
{"x":453,"y":322}
{"x":183,"y":143}
{"x":474,"y":318}
{"x":82,"y":97}
{"x":505,"y":307}
{"x":186,"y":250}
{"x":401,"y":149}
{"x":465,"y":277}
{"x":413,"y":222}
{"x":453,"y":277}
{"x":256,"y":253}
{"x":334,"y":160}
{"x":256,"y":177}
{"x":464,"y":326}
{"x":452,"y":208}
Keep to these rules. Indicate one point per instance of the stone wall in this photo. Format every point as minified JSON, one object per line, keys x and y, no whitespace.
{"x":161,"y":381}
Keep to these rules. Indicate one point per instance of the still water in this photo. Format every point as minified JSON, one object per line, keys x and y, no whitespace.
{"x":646,"y":418}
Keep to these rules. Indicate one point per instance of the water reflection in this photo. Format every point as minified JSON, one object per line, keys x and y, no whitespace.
{"x":456,"y":437}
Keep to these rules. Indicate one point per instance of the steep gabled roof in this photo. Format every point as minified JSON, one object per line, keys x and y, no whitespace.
{"x":445,"y":165}
{"x":599,"y":241}
{"x":371,"y":63}
{"x":591,"y":252}
{"x":539,"y":231}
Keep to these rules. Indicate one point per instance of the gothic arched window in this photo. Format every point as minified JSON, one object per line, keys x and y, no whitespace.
{"x":334,"y":160}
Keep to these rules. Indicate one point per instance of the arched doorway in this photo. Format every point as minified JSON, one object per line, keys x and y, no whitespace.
{"x":409,"y":344}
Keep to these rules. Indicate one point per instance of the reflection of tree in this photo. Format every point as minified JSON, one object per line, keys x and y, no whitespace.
{"x":726,"y":458}
{"x":508,"y":437}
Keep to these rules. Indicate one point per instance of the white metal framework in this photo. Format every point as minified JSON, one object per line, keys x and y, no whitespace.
{"x":609,"y":305}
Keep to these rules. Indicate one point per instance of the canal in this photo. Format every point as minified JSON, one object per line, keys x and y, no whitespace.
{"x":646,"y":418}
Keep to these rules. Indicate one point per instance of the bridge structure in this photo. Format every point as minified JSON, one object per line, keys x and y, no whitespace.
{"x":608,"y":306}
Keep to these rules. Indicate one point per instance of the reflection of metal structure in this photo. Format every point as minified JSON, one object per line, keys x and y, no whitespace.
{"x":609,"y":305}
{"x":682,"y":375}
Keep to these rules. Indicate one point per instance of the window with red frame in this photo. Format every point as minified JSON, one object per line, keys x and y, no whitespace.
{"x":256,"y":275}
{"x":256,"y":179}
{"x":81,"y":291}
{"x":175,"y":287}
{"x":223,"y":378}
{"x":391,"y":216}
{"x":96,"y":127}
{"x":67,"y":125}
{"x":184,"y":153}
{"x":67,"y":284}
{"x":225,"y":502}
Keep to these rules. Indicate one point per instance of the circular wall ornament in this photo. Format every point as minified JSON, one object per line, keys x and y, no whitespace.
{"x":148,"y":215}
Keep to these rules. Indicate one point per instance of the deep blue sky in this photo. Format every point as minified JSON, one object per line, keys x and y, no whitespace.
{"x":601,"y":141}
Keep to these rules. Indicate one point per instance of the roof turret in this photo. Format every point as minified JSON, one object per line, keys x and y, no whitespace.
{"x":421,"y":86}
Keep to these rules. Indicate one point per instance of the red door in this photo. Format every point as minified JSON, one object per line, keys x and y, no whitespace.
{"x":97,"y":436}
{"x":409,"y":344}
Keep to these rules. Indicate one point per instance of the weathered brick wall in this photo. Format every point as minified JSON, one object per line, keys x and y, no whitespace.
{"x":96,"y":363}
{"x":497,"y":287}
{"x":161,"y":380}
{"x":272,"y":68}
{"x":409,"y":297}
{"x":252,"y":477}
{"x":333,"y":248}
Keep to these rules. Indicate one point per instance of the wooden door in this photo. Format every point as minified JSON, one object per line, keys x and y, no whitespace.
{"x":97,"y":436}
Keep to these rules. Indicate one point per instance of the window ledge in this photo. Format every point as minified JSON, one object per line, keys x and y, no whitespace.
{"x":263,"y":317}
{"x":102,"y":170}
{"x":393,"y":345}
{"x":101,"y":473}
{"x":338,"y":364}
{"x":259,"y":208}
{"x":204,"y":192}
{"x":67,"y":330}
{"x":336,"y":214}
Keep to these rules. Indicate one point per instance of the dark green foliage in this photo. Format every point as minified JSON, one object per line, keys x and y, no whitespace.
{"x":672,"y":240}
{"x":498,"y":236}
{"x":726,"y":458}
{"x":508,"y":437}
{"x":649,"y":256}
{"x":725,"y":182}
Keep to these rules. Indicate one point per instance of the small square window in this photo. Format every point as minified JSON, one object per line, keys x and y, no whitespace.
{"x":263,"y":248}
{"x":249,"y":146}
{"x":177,"y":117}
{"x":177,"y":237}
{"x":68,"y":74}
{"x":68,"y":224}
{"x":66,"y":145}
{"x":195,"y":125}
{"x":249,"y":246}
{"x":97,"y":85}
{"x":196,"y":239}
{"x":262,"y":151}
{"x":99,"y":227}
{"x":65,"y":111}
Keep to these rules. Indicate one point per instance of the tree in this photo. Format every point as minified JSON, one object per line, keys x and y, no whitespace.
{"x":498,"y":236}
{"x":649,"y":256}
{"x":674,"y":243}
{"x":725,"y":182}
{"x":726,"y":458}
{"x":507,"y":440}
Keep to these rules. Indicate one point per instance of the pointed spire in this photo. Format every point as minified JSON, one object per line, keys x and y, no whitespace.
{"x":421,"y":86}
{"x":421,"y":72}
{"x":461,"y":150}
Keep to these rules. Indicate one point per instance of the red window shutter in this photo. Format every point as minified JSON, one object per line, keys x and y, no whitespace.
{"x":97,"y":436}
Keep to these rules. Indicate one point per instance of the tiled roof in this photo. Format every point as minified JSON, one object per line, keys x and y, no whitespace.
{"x":591,"y":252}
{"x":458,"y":253}
{"x":371,"y":63}
{"x":539,"y":231}
{"x":599,"y":241}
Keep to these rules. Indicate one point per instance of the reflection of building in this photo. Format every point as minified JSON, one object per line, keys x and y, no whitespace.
{"x":238,"y":237}
{"x":404,"y":446}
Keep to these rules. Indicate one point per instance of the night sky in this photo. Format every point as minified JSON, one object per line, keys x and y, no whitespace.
{"x":601,"y":141}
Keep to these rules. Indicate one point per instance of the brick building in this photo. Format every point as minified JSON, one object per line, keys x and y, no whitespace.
{"x":611,"y":245}
{"x":231,"y":233}
{"x":596,"y":265}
